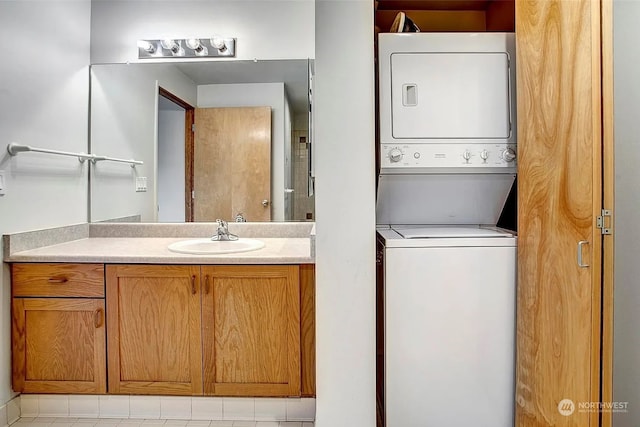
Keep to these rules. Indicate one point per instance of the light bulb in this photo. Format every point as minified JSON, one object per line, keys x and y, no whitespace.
{"x":219,"y":43}
{"x":173,"y":46}
{"x":193,"y":44}
{"x":197,"y":47}
{"x":146,"y":46}
{"x":170,"y":44}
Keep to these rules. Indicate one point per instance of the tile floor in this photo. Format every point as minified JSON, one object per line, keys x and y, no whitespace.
{"x":115,"y":422}
{"x":109,"y":407}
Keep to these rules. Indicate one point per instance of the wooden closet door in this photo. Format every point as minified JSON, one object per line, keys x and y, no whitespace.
{"x":559,"y":192}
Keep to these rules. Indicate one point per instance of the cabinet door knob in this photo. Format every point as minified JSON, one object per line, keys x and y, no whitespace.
{"x":58,"y":280}
{"x":98,"y":317}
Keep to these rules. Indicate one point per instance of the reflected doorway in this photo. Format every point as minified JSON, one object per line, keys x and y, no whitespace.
{"x":212,"y":162}
{"x":175,"y":158}
{"x":176,"y":196}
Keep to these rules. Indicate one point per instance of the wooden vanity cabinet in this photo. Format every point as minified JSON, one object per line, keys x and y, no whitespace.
{"x":251,"y":330}
{"x":240,"y":330}
{"x":154,"y":334}
{"x":58,"y":328}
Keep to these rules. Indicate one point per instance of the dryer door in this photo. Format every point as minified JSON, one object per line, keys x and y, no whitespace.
{"x":448,"y":96}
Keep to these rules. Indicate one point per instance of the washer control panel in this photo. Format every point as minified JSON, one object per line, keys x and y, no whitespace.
{"x":448,"y":155}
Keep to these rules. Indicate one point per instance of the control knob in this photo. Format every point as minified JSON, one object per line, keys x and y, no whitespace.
{"x":509,"y":155}
{"x":484,"y":155}
{"x":466,"y":155}
{"x":395,"y":155}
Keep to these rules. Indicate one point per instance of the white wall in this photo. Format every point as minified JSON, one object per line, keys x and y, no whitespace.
{"x":44,"y":103}
{"x":280,"y":29}
{"x":171,"y":170}
{"x":345,"y":209}
{"x":124,"y":125}
{"x":256,"y":95}
{"x":626,"y":351}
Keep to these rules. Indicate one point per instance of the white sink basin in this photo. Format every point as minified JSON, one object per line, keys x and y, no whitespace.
{"x":213,"y":247}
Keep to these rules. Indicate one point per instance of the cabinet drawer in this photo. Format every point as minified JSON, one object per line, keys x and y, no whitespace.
{"x":57,"y":280}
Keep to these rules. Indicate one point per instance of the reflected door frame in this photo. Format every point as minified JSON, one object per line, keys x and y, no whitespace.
{"x":189,"y":114}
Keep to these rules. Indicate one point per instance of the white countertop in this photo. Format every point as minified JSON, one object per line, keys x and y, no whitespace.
{"x":153,"y":250}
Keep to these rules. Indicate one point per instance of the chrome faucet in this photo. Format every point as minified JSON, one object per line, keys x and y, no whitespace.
{"x":222,"y":233}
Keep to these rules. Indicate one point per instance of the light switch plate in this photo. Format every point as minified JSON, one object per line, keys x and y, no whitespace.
{"x":141,"y":183}
{"x":3,"y":184}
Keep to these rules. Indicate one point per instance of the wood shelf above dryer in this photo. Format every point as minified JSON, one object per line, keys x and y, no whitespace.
{"x":449,"y":16}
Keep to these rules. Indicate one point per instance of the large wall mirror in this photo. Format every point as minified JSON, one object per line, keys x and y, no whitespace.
{"x":218,"y":139}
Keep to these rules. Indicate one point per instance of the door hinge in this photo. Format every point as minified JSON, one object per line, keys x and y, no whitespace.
{"x":193,"y":194}
{"x":603,"y":222}
{"x":193,"y":127}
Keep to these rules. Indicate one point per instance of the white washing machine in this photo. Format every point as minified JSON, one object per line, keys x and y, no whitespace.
{"x":447,"y":165}
{"x":449,"y":319}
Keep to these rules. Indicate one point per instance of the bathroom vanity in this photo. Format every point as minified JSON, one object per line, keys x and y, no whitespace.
{"x":123,"y":315}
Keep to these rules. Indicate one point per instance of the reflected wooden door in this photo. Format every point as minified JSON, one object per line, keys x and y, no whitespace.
{"x":559,"y":195}
{"x":232,"y":163}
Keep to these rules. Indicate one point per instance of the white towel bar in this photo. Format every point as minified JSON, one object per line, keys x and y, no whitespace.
{"x":15,"y":148}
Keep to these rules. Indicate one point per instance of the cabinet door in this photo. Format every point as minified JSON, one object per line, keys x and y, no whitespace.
{"x":558,"y":80}
{"x":58,"y":345}
{"x":154,"y":338}
{"x":251,"y":330}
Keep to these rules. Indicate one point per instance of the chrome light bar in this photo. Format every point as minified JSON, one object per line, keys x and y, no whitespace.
{"x":215,"y":46}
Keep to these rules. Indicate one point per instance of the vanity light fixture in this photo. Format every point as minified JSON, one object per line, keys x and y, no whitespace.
{"x":202,"y":47}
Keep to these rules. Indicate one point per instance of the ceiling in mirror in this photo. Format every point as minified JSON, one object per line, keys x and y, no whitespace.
{"x":293,"y":73}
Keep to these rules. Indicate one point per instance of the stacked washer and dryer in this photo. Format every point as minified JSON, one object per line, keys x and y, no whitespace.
{"x":447,"y":165}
